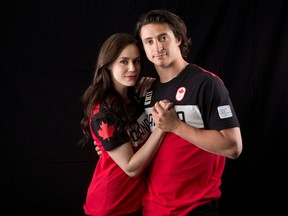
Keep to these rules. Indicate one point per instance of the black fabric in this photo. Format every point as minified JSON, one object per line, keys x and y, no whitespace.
{"x":208,"y":209}
{"x":48,"y":53}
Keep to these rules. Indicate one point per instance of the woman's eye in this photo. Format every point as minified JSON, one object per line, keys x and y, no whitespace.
{"x":137,"y":61}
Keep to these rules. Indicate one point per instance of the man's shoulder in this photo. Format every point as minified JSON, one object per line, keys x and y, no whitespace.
{"x":204,"y":73}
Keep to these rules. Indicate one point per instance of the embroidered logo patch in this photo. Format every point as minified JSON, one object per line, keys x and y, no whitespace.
{"x":224,"y":111}
{"x":148,"y":98}
{"x":180,"y":93}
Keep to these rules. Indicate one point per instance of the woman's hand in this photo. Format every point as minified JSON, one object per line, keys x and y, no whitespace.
{"x":97,"y":149}
{"x":143,"y":85}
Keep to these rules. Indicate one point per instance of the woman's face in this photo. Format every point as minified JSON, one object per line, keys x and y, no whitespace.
{"x":126,"y":68}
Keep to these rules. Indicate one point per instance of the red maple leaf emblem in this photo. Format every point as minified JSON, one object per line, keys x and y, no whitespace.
{"x":106,"y":131}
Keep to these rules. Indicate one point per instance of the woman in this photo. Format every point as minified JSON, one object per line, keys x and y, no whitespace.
{"x":117,"y":122}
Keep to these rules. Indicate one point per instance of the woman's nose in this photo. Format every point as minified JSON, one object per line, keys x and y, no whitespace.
{"x":131,"y":67}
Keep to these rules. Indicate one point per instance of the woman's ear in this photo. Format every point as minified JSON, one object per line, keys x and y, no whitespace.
{"x":179,"y":41}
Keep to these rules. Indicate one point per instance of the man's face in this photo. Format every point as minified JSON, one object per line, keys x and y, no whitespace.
{"x":160,"y":45}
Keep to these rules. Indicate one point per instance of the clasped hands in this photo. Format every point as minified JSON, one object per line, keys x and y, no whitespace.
{"x":164,"y":116}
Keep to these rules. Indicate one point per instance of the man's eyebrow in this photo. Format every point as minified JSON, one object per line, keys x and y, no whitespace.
{"x":148,"y":38}
{"x":165,"y":33}
{"x":160,"y":35}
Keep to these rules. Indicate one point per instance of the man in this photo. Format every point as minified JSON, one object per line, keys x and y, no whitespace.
{"x":185,"y":176}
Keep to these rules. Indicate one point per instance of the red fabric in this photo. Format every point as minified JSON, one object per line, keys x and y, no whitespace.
{"x":195,"y":179}
{"x":111,"y":191}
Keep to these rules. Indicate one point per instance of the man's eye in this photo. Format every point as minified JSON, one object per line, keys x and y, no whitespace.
{"x":149,"y":42}
{"x":163,"y":38}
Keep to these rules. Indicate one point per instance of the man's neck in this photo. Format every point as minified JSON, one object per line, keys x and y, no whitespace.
{"x":167,"y":73}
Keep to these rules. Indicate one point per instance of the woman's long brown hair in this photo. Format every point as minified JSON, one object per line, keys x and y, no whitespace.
{"x":101,"y":89}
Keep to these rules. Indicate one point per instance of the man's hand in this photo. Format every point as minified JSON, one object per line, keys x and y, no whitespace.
{"x":165,"y":116}
{"x":165,"y":104}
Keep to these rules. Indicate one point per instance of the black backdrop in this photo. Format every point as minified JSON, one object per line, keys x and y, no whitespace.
{"x":48,"y":51}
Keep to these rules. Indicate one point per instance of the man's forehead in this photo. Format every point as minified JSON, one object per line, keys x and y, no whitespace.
{"x":154,"y":30}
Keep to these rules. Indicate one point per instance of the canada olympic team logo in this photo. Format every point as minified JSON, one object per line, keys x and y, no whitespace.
{"x":180,"y":93}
